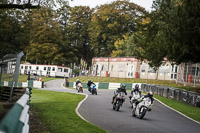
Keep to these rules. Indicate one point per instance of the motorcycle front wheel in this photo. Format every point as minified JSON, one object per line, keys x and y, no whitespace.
{"x":142,"y":112}
{"x":133,"y":113}
{"x":118,"y":104}
{"x":114,"y":106}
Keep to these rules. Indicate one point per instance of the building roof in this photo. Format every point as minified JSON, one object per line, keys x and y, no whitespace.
{"x":42,"y":65}
{"x":114,"y":59}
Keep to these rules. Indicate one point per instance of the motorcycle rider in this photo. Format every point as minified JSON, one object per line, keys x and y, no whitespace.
{"x":121,"y":89}
{"x":134,"y":90}
{"x":77,"y":82}
{"x":89,"y":84}
{"x":150,"y":95}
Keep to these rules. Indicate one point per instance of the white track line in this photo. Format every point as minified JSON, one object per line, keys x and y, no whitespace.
{"x":177,"y":111}
{"x":79,"y":104}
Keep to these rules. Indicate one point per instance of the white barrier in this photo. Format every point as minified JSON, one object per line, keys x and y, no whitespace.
{"x":114,"y":85}
{"x":24,"y":84}
{"x":5,"y":83}
{"x":37,"y":84}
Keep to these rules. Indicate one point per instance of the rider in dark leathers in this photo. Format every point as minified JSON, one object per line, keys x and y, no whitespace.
{"x":136,"y":89}
{"x":89,"y":84}
{"x":121,"y":89}
{"x":77,"y":82}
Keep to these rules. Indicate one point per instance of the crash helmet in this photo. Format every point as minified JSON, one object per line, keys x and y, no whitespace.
{"x":77,"y":80}
{"x":122,"y":85}
{"x":89,"y":80}
{"x":150,"y":93}
{"x":136,"y":88}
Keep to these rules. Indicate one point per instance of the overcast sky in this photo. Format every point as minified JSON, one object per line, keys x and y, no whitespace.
{"x":93,"y":3}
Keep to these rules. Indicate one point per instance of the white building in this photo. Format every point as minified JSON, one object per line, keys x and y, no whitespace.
{"x":125,"y":67}
{"x":45,"y":70}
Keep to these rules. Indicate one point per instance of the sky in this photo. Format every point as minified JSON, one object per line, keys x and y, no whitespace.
{"x":93,"y":3}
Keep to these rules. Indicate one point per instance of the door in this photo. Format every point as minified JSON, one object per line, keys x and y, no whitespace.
{"x":174,"y":72}
{"x":130,"y":71}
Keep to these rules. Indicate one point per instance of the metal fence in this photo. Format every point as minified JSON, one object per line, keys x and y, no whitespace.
{"x":9,"y":70}
{"x":173,"y":93}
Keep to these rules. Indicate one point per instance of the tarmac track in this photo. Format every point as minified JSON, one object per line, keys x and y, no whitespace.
{"x":97,"y":109}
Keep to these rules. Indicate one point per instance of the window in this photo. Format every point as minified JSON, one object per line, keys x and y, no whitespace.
{"x":30,"y":67}
{"x":151,"y":70}
{"x":53,"y":69}
{"x":142,"y":68}
{"x":45,"y":68}
{"x":37,"y":67}
{"x":102,"y":68}
{"x":49,"y":68}
{"x":59,"y":69}
{"x":26,"y":67}
{"x":164,"y":69}
{"x":195,"y":70}
{"x":66,"y":70}
{"x":22,"y":67}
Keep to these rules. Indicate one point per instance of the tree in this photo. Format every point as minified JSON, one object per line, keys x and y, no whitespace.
{"x":45,"y":33}
{"x":77,"y":31}
{"x":120,"y":47}
{"x":11,"y":33}
{"x":110,"y":22}
{"x":172,"y":33}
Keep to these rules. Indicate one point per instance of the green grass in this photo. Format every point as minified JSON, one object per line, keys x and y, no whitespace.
{"x":57,"y":112}
{"x":23,"y":78}
{"x":188,"y":110}
{"x":132,"y":80}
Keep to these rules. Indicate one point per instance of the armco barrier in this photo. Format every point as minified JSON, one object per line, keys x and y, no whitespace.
{"x":84,"y":85}
{"x":71,"y":84}
{"x":103,"y":85}
{"x":29,"y":83}
{"x":17,"y":119}
{"x":143,"y":87}
{"x":171,"y":93}
{"x":177,"y":94}
{"x":165,"y":92}
{"x":197,"y":101}
{"x":129,"y":86}
{"x":160,"y":91}
{"x":192,"y":98}
{"x":174,"y":93}
{"x":184,"y":96}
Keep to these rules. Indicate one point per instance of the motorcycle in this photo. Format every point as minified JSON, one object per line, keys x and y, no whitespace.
{"x":135,"y":96}
{"x":141,"y":109}
{"x":93,"y":89}
{"x":118,"y":101}
{"x":79,"y":87}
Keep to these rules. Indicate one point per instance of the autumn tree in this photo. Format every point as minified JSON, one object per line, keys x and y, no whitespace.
{"x":111,"y":22}
{"x":172,"y":32}
{"x":46,"y":33}
{"x":77,"y":30}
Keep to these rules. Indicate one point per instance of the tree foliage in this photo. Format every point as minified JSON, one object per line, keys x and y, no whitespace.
{"x":77,"y":31}
{"x":110,"y":22}
{"x":172,"y":31}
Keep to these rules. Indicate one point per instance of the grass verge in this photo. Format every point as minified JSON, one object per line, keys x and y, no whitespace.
{"x":188,"y":110}
{"x":57,"y":112}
